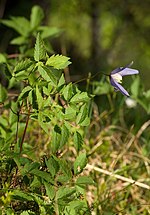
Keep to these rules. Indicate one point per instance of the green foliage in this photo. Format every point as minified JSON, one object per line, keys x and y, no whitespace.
{"x":28,"y":29}
{"x":80,"y":163}
{"x":56,"y":108}
{"x":2,"y":58}
{"x":19,"y":24}
{"x":78,"y":140}
{"x":50,"y":130}
{"x":36,"y":18}
{"x":58,"y":61}
{"x":39,"y":51}
{"x":3,"y":94}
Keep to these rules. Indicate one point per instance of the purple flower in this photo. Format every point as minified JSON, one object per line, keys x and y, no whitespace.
{"x":116,"y":77}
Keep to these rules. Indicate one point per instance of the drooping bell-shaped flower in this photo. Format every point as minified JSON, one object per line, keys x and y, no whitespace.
{"x":116,"y":77}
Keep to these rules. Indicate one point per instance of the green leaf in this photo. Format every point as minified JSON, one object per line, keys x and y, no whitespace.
{"x":24,"y":93}
{"x":53,"y":75}
{"x":43,"y":175}
{"x":33,"y":99}
{"x":52,"y":165}
{"x":39,"y":50}
{"x":50,"y":191}
{"x":39,"y":98}
{"x":2,"y":58}
{"x":66,"y":171}
{"x":80,"y":163}
{"x":135,"y":87}
{"x":61,"y":82}
{"x":86,"y":121}
{"x":31,"y":166}
{"x":44,"y":73}
{"x":20,"y":195}
{"x":3,"y":94}
{"x":58,"y":61}
{"x":147,"y":94}
{"x":64,"y":192}
{"x":20,"y":76}
{"x":49,"y":75}
{"x":19,"y":40}
{"x":37,"y":16}
{"x":83,"y":113}
{"x":101,"y":88}
{"x":70,"y":113}
{"x":44,"y":126}
{"x":82,"y":181}
{"x":64,"y":135}
{"x":56,"y":136}
{"x":2,"y":143}
{"x":67,"y":92}
{"x":23,"y":65}
{"x":47,"y":31}
{"x":80,"y":97}
{"x":35,"y":183}
{"x":13,"y":113}
{"x":20,"y":24}
{"x":78,"y":140}
{"x":48,"y":90}
{"x":77,"y":207}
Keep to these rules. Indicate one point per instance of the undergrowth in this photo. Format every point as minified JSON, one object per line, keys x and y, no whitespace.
{"x":64,"y":150}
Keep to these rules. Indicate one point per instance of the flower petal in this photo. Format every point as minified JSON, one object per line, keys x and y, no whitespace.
{"x":128,"y":71}
{"x":116,"y":70}
{"x":118,"y":86}
{"x":121,"y":68}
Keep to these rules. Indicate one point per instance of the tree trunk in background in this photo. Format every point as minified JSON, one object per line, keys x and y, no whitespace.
{"x":95,"y":36}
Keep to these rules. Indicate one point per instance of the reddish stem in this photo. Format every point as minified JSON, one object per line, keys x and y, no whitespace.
{"x":25,"y":129}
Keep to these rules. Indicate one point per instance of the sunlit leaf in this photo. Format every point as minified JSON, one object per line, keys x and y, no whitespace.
{"x":80,"y":163}
{"x":20,"y":24}
{"x":53,"y":75}
{"x":67,"y":92}
{"x":64,"y":135}
{"x":78,"y":140}
{"x":61,"y":82}
{"x":80,"y":97}
{"x":3,"y":58}
{"x":56,"y":136}
{"x":23,"y":65}
{"x":70,"y":113}
{"x":58,"y":61}
{"x":83,"y":113}
{"x":39,"y":98}
{"x":50,"y":191}
{"x":24,"y":93}
{"x":19,"y":40}
{"x":49,"y":31}
{"x":36,"y":16}
{"x":39,"y":51}
{"x":44,"y":73}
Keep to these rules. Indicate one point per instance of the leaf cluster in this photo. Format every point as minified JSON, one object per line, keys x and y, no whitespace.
{"x":60,"y":111}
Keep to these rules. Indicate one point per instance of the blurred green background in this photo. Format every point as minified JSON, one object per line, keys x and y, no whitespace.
{"x":98,"y":35}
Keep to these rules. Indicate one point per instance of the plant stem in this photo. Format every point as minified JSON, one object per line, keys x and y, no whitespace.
{"x":25,"y":129}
